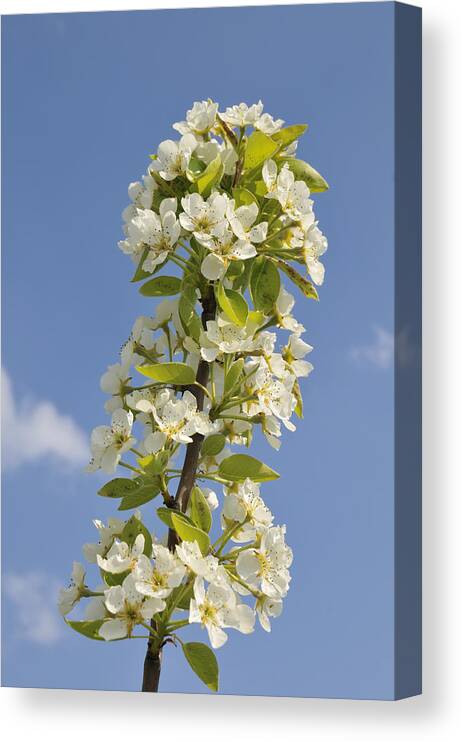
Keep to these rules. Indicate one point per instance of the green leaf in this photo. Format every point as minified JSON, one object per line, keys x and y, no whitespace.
{"x":184,"y":602}
{"x":307,"y":288}
{"x":190,"y":533}
{"x":119,"y":487}
{"x":241,"y":282}
{"x":234,"y":373}
{"x":165,"y":514}
{"x":140,"y":274}
{"x":161,"y":286}
{"x":299,"y":409}
{"x":210,"y":177}
{"x":287,"y":136}
{"x":132,"y":529}
{"x":239,"y":466}
{"x":235,"y":269}
{"x":154,"y":464}
{"x":258,"y":187}
{"x":233,"y":305}
{"x":203,"y":662}
{"x":243,"y":197}
{"x":264,"y":284}
{"x":259,"y":148}
{"x":303,"y":171}
{"x":141,"y":496}
{"x":213,"y":444}
{"x":87,"y":628}
{"x":169,"y":373}
{"x":195,"y":168}
{"x":112,"y":578}
{"x":187,"y":313}
{"x":200,"y":510}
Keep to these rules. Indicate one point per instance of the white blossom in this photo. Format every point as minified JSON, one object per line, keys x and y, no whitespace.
{"x":268,"y":124}
{"x":158,"y":233}
{"x":108,"y":443}
{"x":243,"y":115}
{"x":106,"y":534}
{"x":217,"y":608}
{"x":224,"y":250}
{"x":173,"y":157}
{"x":242,"y":220}
{"x":284,"y":306}
{"x":158,"y":580}
{"x":274,"y":394}
{"x":199,"y":119}
{"x":293,"y":195}
{"x":129,"y":608}
{"x":114,"y":381}
{"x":267,"y":608}
{"x":294,"y":354}
{"x":121,"y":557}
{"x":267,"y":567}
{"x":141,"y":195}
{"x":222,"y":336}
{"x":315,"y":245}
{"x":252,"y":381}
{"x":177,"y":420}
{"x":69,"y":596}
{"x":243,"y":504}
{"x":206,"y":219}
{"x":208,"y":566}
{"x":141,"y":337}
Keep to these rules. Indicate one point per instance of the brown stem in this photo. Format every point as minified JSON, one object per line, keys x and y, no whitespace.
{"x":151,"y":669}
{"x":152,"y":666}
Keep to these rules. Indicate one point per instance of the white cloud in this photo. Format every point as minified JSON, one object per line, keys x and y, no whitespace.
{"x":34,"y":596}
{"x":32,"y":430}
{"x":379,"y":353}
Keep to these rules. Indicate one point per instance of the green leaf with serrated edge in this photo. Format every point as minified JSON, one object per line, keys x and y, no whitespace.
{"x":143,"y":494}
{"x":87,"y":628}
{"x":161,"y":286}
{"x":243,"y":197}
{"x":239,"y":466}
{"x":119,"y":487}
{"x":179,"y":374}
{"x":289,"y":134}
{"x":234,"y":372}
{"x":264,"y":284}
{"x":165,"y":514}
{"x":303,"y":171}
{"x":259,"y":148}
{"x":210,"y":177}
{"x":307,"y":288}
{"x":132,"y":528}
{"x":203,"y":662}
{"x":200,"y":510}
{"x":190,"y":533}
{"x":233,"y":305}
{"x":213,"y":444}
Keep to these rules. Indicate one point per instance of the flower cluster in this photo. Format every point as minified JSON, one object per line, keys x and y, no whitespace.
{"x":228,"y":207}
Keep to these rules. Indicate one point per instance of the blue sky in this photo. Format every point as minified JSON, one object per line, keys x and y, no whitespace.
{"x":86,"y":97}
